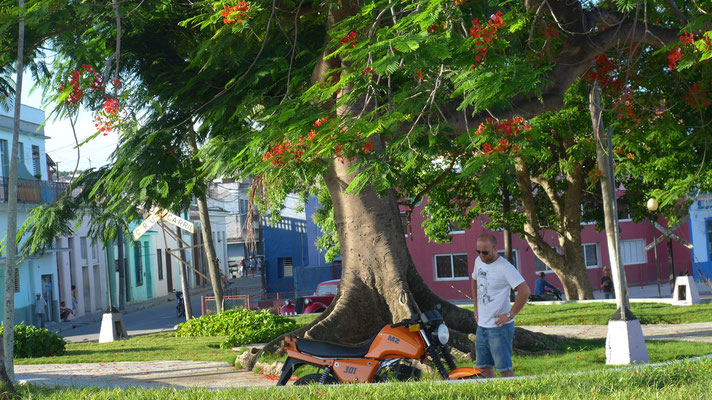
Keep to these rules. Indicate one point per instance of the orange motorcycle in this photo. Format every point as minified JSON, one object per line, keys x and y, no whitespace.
{"x":389,"y":355}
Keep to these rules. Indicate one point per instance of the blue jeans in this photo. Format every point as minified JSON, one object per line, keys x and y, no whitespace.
{"x":493,"y":347}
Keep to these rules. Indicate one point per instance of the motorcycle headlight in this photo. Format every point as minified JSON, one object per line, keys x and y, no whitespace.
{"x":443,"y":334}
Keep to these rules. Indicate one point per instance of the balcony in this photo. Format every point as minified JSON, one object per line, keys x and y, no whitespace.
{"x":32,"y":191}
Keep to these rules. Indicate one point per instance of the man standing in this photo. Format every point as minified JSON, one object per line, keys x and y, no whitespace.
{"x":40,"y":305}
{"x":492,"y":279}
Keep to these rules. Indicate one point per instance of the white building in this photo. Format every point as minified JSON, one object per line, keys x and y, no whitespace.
{"x":35,"y":273}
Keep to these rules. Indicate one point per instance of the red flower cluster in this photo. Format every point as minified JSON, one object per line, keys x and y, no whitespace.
{"x":485,"y":35}
{"x":549,"y":31}
{"x":697,"y":97}
{"x":235,"y":13}
{"x":624,"y":105}
{"x":367,"y":70}
{"x":368,"y":147}
{"x":321,"y":121}
{"x":673,"y":57}
{"x":434,"y":28}
{"x":282,"y":153}
{"x":595,"y":174}
{"x":419,"y":74}
{"x":103,"y":124}
{"x":111,"y":105}
{"x":687,"y":38}
{"x":350,"y":39}
{"x":504,"y":129}
{"x":603,"y":73}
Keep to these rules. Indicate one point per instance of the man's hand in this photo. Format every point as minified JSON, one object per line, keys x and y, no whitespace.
{"x":502,"y":319}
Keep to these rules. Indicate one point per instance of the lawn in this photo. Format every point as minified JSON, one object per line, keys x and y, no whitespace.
{"x":153,"y":347}
{"x":599,"y":313}
{"x":683,"y":380}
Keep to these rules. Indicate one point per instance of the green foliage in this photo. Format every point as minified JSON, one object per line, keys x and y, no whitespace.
{"x":33,"y":342}
{"x":241,"y":326}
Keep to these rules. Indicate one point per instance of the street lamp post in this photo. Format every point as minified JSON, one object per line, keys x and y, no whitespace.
{"x":653,"y":207}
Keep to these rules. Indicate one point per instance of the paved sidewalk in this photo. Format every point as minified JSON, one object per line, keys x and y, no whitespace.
{"x":151,"y":374}
{"x":693,"y":332}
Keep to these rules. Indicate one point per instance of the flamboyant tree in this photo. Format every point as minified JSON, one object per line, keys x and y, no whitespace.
{"x":380,"y":101}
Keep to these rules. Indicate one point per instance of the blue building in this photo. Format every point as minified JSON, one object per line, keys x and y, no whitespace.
{"x":701,"y":235}
{"x":291,"y":260}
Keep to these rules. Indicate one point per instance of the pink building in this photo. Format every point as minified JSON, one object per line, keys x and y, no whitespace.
{"x":446,"y":267}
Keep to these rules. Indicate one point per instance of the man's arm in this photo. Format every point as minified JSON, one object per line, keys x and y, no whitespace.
{"x":523,"y":293}
{"x":550,"y":285}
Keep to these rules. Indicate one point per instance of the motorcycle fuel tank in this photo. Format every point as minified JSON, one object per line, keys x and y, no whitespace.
{"x":397,"y":342}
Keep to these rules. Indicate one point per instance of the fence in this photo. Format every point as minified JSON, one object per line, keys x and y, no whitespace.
{"x":32,"y":191}
{"x":252,"y":302}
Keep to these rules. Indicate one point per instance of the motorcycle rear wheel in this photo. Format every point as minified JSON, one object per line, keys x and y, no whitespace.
{"x":314,"y":379}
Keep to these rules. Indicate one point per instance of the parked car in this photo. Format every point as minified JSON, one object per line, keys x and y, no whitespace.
{"x":322,"y":298}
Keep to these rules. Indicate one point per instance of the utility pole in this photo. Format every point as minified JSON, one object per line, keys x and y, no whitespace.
{"x":183,"y":277}
{"x":625,"y":343}
{"x":122,"y":280}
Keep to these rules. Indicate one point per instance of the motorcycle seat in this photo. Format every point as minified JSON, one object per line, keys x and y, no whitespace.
{"x":331,"y":350}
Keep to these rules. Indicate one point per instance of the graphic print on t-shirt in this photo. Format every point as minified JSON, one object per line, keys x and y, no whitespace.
{"x":482,"y":287}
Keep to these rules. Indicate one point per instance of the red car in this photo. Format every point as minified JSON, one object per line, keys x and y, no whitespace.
{"x":315,"y":303}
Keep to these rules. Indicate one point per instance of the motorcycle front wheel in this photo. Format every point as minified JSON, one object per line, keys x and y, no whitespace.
{"x":314,"y":379}
{"x":180,"y":312}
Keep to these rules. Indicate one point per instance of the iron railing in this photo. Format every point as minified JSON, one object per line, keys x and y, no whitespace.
{"x":32,"y":191}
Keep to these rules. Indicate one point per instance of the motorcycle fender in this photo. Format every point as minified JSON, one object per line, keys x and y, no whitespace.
{"x":356,"y":369}
{"x":464,"y":373}
{"x":290,"y":347}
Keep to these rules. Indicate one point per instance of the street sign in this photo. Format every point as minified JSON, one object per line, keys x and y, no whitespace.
{"x":144,"y":226}
{"x":668,"y":233}
{"x":179,"y":222}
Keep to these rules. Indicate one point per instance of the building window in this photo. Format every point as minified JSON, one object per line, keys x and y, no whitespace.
{"x":633,"y":251}
{"x":244,"y":205}
{"x":36,"y":162}
{"x":623,"y":210}
{"x":93,"y":251}
{"x":159,"y":264}
{"x":83,"y":247}
{"x":4,"y":157}
{"x":514,"y":257}
{"x":456,"y":228}
{"x":590,"y":255}
{"x":139,"y":264}
{"x":540,"y":265}
{"x":17,"y":280}
{"x":21,"y":152}
{"x":451,"y":267}
{"x":284,"y":264}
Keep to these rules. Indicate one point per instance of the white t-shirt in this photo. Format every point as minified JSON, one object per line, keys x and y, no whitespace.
{"x":494,"y":282}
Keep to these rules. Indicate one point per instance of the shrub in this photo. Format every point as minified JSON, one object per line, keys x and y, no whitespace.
{"x":35,"y":342}
{"x":241,"y":326}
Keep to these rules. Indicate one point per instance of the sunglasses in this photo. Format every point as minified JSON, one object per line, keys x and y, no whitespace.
{"x":484,"y":253}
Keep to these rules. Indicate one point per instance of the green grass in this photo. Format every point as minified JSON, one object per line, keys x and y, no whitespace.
{"x":153,"y":347}
{"x":599,"y":313}
{"x":683,"y":380}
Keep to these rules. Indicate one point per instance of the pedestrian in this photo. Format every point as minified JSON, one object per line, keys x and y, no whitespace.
{"x":258,"y":267}
{"x":40,"y":309}
{"x":607,"y":284}
{"x":251,"y":266}
{"x":492,"y":279}
{"x":243,"y":267}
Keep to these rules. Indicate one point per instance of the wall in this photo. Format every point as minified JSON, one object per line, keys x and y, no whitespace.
{"x":423,"y":253}
{"x":701,"y":236}
{"x":286,"y":239}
